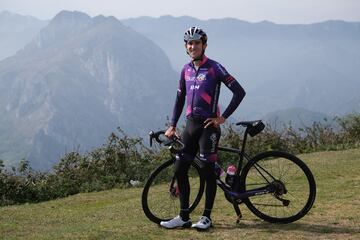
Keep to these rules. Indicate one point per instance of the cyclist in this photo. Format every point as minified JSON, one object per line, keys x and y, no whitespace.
{"x":199,"y":83}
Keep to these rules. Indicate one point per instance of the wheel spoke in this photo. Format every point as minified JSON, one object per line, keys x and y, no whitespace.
{"x":291,"y":180}
{"x":157,"y":201}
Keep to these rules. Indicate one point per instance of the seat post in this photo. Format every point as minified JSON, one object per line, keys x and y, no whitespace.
{"x":242,"y":152}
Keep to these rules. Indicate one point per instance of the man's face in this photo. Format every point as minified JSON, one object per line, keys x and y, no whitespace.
{"x":195,"y":48}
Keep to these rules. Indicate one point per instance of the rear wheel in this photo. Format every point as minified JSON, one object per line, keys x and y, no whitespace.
{"x":160,"y":197}
{"x":292,"y":185}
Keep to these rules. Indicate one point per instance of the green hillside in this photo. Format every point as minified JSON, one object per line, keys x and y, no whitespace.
{"x":117,"y":214}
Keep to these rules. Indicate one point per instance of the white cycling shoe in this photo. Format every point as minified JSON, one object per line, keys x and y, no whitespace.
{"x":175,"y":223}
{"x":203,"y":224}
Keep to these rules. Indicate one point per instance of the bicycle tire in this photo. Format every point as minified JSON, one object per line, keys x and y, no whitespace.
{"x":295,"y":187}
{"x":158,"y":203}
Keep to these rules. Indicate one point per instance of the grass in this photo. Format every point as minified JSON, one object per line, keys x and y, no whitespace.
{"x":117,"y":214}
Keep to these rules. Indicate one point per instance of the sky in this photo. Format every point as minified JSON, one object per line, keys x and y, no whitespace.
{"x":278,"y":11}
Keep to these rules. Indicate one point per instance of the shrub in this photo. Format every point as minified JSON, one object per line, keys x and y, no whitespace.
{"x":123,"y":158}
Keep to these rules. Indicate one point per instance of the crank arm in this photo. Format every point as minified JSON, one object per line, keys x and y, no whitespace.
{"x":285,"y":202}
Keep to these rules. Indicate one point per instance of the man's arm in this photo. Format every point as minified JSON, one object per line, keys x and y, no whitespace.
{"x":234,"y":86}
{"x":238,"y":96}
{"x":179,"y":101}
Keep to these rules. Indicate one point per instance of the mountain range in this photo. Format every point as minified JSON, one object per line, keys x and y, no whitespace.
{"x":314,"y":66}
{"x":78,"y":77}
{"x":75,"y":83}
{"x":16,"y":31}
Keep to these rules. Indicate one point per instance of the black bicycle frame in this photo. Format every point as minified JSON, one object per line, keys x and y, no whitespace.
{"x":242,"y":195}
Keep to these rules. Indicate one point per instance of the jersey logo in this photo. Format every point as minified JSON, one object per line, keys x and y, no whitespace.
{"x":196,"y":87}
{"x":189,"y":78}
{"x":213,"y":139}
{"x":201,"y":77}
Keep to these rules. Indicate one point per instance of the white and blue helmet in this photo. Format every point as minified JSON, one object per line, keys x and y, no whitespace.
{"x":195,"y":33}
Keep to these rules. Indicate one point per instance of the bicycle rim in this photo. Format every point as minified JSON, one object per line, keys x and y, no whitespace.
{"x":159,"y":202}
{"x":292,"y":180}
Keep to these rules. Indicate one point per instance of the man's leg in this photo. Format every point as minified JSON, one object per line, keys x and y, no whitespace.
{"x":211,"y":187}
{"x":208,"y":153}
{"x":181,"y":167}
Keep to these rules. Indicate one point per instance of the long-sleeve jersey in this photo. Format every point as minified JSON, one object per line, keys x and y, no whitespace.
{"x":201,"y":88}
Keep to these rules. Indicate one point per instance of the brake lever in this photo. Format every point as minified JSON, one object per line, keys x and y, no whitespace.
{"x":157,"y":135}
{"x":151,"y":134}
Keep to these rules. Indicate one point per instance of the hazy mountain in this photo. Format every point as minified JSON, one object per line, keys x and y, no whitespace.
{"x":315,"y":66}
{"x":78,"y":80}
{"x":81,"y":77}
{"x":16,"y":31}
{"x":297,"y":117}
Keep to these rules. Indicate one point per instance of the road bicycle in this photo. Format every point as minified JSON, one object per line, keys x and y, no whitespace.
{"x":276,"y":186}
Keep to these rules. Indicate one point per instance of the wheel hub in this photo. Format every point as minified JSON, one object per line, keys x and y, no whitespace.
{"x":279,"y":187}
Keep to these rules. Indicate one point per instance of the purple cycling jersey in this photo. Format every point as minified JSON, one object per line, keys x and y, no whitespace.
{"x":201,"y":88}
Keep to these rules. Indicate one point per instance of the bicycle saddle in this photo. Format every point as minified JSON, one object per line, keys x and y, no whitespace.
{"x":248,"y":123}
{"x":253,"y":127}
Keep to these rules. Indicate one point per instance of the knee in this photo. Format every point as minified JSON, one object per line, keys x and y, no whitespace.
{"x":182,"y":165}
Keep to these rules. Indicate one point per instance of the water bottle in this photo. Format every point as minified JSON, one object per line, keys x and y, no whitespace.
{"x":230,"y":175}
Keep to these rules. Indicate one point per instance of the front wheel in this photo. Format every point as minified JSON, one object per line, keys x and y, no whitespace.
{"x":291,"y":184}
{"x":160,"y":197}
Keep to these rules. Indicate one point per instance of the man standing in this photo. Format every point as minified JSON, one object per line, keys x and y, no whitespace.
{"x":199,"y":84}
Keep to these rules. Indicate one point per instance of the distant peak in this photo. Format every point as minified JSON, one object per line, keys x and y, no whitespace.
{"x":103,"y":19}
{"x":73,"y":16}
{"x":76,"y":17}
{"x":166,"y":16}
{"x":65,"y":25}
{"x":67,"y":13}
{"x":266,"y":22}
{"x":6,"y":14}
{"x":68,"y":24}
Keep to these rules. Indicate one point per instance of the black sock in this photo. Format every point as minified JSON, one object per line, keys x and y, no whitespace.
{"x":184,"y":214}
{"x":207,"y":213}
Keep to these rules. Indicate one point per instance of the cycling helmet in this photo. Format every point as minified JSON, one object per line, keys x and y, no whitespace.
{"x":195,"y":33}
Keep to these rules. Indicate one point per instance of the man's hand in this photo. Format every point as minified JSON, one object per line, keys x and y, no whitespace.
{"x":170,"y":132}
{"x":214,"y":121}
